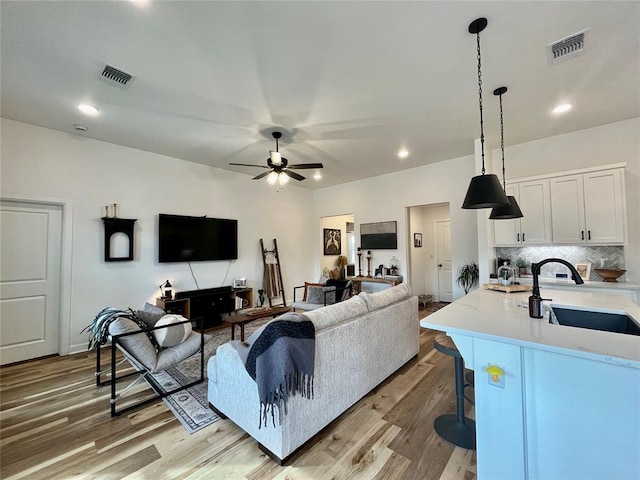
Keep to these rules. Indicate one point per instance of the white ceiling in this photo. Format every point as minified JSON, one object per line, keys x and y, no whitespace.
{"x":350,"y":83}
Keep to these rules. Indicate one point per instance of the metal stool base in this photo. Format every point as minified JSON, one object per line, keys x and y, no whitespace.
{"x":456,"y":433}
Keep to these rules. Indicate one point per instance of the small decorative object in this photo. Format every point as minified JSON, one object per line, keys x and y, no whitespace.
{"x":332,"y":241}
{"x":165,"y":291}
{"x":341,"y":262}
{"x":393,"y":264}
{"x":359,"y":261}
{"x":239,"y":283}
{"x":468,"y":275}
{"x":609,"y":274}
{"x":417,"y":240}
{"x":106,"y":211}
{"x":522,"y":265}
{"x":115,"y":210}
{"x":506,"y":274}
{"x":369,"y":264}
{"x":584,"y":269}
{"x":113,"y":227}
{"x":261,"y":297}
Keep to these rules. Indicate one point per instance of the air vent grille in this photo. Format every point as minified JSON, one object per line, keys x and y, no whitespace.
{"x":567,"y":48}
{"x":116,"y":77}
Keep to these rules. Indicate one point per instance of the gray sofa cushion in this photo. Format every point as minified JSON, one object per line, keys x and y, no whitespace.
{"x":150,"y":314}
{"x":337,"y":313}
{"x":386,"y":297}
{"x":139,"y":346}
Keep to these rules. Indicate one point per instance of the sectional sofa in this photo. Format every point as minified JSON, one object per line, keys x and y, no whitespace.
{"x":359,"y":343}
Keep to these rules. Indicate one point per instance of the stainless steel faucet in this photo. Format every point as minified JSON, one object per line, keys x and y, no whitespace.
{"x":535,"y":300}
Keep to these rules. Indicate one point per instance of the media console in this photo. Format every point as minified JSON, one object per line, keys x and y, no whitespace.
{"x":210,"y":304}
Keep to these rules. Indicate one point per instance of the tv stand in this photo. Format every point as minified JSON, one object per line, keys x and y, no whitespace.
{"x":209,"y":304}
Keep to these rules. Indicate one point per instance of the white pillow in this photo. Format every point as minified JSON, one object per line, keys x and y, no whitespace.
{"x":172,"y":336}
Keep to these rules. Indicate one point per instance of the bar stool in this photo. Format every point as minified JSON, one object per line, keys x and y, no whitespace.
{"x":455,"y":429}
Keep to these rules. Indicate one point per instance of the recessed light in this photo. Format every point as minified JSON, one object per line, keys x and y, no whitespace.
{"x":403,"y":153}
{"x":88,"y":109}
{"x":562,"y":108}
{"x":317,"y":176}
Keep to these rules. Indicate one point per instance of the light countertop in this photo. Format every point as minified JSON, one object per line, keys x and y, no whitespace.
{"x":505,"y":317}
{"x":587,"y":284}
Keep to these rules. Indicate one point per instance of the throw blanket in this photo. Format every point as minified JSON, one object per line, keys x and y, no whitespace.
{"x":281,"y":362}
{"x":99,"y":328}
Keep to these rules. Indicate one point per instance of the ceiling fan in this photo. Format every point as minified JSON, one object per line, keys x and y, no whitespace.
{"x":279,"y":165}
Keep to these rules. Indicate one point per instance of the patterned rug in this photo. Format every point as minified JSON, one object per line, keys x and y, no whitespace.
{"x":191,"y":406}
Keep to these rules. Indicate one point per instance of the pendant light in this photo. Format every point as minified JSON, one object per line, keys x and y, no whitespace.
{"x":484,"y":190}
{"x":512,"y":210}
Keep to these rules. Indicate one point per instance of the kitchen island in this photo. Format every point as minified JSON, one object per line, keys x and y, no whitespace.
{"x":568,"y":404}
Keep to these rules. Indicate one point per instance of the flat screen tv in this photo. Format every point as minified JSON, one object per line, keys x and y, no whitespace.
{"x":196,"y":239}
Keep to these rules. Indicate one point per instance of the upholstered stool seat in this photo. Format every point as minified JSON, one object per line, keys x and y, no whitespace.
{"x":455,"y":429}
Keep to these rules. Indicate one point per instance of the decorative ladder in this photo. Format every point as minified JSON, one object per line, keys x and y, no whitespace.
{"x":267,"y":274}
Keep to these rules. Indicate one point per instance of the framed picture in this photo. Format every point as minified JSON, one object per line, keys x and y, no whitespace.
{"x":584,"y":269}
{"x":239,"y":283}
{"x":379,"y":236}
{"x":332,"y":241}
{"x":417,"y":240}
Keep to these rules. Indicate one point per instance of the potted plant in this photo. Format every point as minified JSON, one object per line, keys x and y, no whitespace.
{"x":522,"y":265}
{"x":468,"y":275}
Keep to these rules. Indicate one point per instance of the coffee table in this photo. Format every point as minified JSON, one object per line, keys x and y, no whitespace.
{"x":243,"y":318}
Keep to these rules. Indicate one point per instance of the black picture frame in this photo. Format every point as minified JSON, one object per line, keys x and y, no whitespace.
{"x":417,"y":240}
{"x":332,"y":241}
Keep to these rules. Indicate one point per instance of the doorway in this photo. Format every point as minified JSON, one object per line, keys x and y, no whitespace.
{"x":31,"y":277}
{"x":341,"y":227}
{"x":429,"y":249}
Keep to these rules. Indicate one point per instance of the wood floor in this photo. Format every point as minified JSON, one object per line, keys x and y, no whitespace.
{"x":55,"y":424}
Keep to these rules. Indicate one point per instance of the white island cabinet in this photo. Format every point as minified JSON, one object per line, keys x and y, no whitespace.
{"x":568,"y":405}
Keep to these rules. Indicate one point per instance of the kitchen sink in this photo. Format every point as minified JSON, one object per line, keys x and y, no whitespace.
{"x":609,"y":322}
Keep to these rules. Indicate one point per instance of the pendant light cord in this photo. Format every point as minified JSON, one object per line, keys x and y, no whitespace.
{"x":480,"y":101}
{"x":504,"y":178}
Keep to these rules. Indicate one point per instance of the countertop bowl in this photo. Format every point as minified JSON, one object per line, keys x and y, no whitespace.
{"x":609,"y":274}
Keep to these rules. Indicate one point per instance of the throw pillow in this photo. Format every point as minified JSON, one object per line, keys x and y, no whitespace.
{"x":138,"y":346}
{"x":150,"y":314}
{"x":174,"y":335}
{"x":317,"y":295}
{"x":306,"y":288}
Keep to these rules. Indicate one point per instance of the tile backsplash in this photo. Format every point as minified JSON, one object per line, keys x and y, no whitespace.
{"x":609,"y":257}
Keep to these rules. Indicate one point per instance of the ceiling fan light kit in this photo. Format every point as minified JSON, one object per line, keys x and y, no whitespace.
{"x":484,"y":190}
{"x":279,"y":166}
{"x":513,"y":209}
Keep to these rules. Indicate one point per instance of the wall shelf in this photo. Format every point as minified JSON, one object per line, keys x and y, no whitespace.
{"x":113,"y":226}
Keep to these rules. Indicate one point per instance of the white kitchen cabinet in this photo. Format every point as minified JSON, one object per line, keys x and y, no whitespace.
{"x":534,"y":228}
{"x":588,"y":208}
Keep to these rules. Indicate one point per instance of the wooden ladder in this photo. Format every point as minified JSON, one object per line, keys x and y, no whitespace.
{"x":266,"y":252}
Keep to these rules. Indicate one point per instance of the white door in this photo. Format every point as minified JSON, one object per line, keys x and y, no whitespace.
{"x":30,"y":239}
{"x":443,"y":250}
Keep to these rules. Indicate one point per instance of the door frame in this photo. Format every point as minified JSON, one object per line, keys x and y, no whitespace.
{"x":66,"y":252}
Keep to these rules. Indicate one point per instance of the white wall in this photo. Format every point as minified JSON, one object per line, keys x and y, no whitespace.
{"x":613,"y":143}
{"x":46,"y":163}
{"x":386,"y":198}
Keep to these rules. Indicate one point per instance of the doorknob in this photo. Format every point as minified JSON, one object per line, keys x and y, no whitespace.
{"x":440,"y":265}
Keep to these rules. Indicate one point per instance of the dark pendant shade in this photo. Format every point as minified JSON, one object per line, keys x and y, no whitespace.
{"x":485,"y":191}
{"x":507,"y":212}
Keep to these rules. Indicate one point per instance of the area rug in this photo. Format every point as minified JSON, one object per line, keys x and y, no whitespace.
{"x":191,"y":406}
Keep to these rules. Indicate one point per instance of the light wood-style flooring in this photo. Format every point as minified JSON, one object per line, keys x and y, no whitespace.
{"x":55,"y":424}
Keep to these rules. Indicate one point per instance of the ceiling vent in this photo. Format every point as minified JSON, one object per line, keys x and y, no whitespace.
{"x":568,"y":47}
{"x":116,"y":77}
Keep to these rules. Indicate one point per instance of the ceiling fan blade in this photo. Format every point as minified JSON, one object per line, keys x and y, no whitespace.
{"x":295,"y":175}
{"x":306,"y":165}
{"x":262,"y":175}
{"x":247,"y":165}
